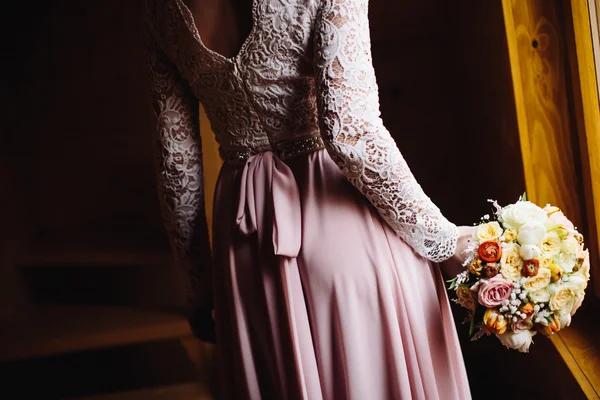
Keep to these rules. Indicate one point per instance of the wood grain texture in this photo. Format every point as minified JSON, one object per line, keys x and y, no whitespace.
{"x":587,"y":113}
{"x":540,"y":81}
{"x":557,"y":108}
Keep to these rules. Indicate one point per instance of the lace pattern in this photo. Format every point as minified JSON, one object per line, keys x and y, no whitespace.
{"x":179,"y":167}
{"x":305,"y":69}
{"x":356,"y":137}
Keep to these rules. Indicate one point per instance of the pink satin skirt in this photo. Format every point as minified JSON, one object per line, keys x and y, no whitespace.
{"x":317,"y":298}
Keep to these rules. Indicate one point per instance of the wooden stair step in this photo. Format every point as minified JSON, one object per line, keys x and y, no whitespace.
{"x":98,"y":254}
{"x":185,"y":391}
{"x":43,"y":330}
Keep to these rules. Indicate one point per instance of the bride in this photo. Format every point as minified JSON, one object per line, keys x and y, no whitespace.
{"x":324,"y":271}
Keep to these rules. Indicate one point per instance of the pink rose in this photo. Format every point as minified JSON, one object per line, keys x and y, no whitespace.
{"x":521,"y":325}
{"x":492,"y":292}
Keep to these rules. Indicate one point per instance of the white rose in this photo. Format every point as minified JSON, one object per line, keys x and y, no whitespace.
{"x":531,"y":233}
{"x":519,"y":341}
{"x":570,"y":245}
{"x":520,"y":213}
{"x":511,"y":262}
{"x":530,"y":251}
{"x":490,"y":231}
{"x":541,"y":296}
{"x":566,"y":261}
{"x":551,"y":244}
{"x":576,"y":283}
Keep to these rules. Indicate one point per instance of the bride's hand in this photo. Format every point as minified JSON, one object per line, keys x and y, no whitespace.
{"x":453,"y":266}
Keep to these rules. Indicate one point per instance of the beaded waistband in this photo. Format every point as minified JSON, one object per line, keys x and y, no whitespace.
{"x":284,"y":149}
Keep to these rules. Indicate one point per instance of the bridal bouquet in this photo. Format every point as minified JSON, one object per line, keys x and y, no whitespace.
{"x":527,"y":271}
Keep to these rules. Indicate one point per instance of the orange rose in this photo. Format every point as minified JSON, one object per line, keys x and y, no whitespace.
{"x":531,"y":267}
{"x":553,"y":326}
{"x":490,"y":251}
{"x":527,"y":309}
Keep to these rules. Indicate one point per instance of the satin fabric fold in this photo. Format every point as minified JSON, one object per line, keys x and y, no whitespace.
{"x":269,"y":185}
{"x":317,"y":298}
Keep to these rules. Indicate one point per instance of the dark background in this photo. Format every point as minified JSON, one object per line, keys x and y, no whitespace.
{"x":76,"y":170}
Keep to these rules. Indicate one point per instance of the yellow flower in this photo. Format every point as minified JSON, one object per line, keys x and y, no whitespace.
{"x":494,"y":322}
{"x":511,"y":262}
{"x":466,"y":297}
{"x":540,"y":281}
{"x":510,"y":235}
{"x":551,"y":244}
{"x":490,"y":231}
{"x":562,"y":299}
{"x":476,"y":267}
{"x":556,"y":272}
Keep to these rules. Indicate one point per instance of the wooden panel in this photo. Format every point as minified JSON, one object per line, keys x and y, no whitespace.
{"x":539,"y":69}
{"x":587,"y":112}
{"x":578,"y":346}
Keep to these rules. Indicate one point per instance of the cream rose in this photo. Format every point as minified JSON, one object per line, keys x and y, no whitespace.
{"x":541,"y":296}
{"x":511,"y":262}
{"x":577,"y":304}
{"x":530,"y":251}
{"x":531,"y":233}
{"x":514,"y":216}
{"x":538,"y":282}
{"x":562,"y":299}
{"x":517,"y":340}
{"x":545,"y":262}
{"x":510,"y":235}
{"x":584,"y":270}
{"x":490,"y":231}
{"x":551,"y":244}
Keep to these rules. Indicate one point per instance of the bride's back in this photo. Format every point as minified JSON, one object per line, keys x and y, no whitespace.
{"x":222,"y":24}
{"x":258,"y":88}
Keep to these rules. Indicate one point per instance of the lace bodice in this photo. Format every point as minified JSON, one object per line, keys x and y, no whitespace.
{"x":304,"y":69}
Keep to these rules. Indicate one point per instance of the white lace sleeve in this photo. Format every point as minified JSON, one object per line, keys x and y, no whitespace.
{"x":179,"y":170}
{"x":357,"y":140}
